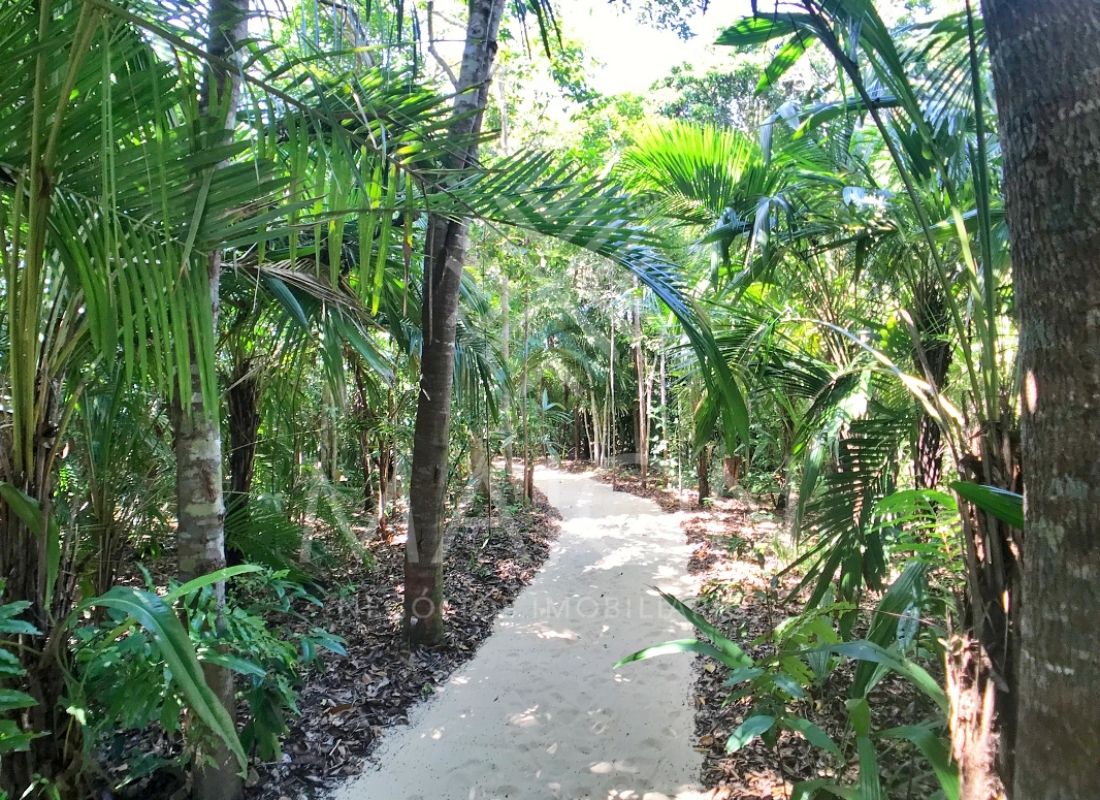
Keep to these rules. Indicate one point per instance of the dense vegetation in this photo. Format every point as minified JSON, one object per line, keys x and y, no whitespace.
{"x":267,"y":276}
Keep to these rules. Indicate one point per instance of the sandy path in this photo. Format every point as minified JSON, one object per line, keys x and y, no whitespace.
{"x":538,"y":712}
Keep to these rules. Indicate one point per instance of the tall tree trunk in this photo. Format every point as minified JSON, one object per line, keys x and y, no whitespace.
{"x":199,"y":471}
{"x":665,"y":442}
{"x":596,"y":437}
{"x":611,"y":422}
{"x":576,"y":434}
{"x":931,"y":320}
{"x":643,"y":396}
{"x":443,"y":265}
{"x":528,"y":478}
{"x":1046,"y":69}
{"x":702,"y":473}
{"x":243,"y":397}
{"x":505,"y":346}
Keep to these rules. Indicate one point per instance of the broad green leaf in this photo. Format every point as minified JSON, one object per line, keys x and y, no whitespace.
{"x":870,"y":786}
{"x":933,"y":749}
{"x":868,"y":651}
{"x":235,"y":663}
{"x":676,"y":646}
{"x":10,"y":700}
{"x":859,"y":715}
{"x":754,"y":30}
{"x":209,"y":578}
{"x":743,"y":674}
{"x":789,"y":685}
{"x":733,"y":656}
{"x":1006,"y":506}
{"x":813,"y":734}
{"x":13,"y":739}
{"x":786,"y":58}
{"x":179,"y":656}
{"x":749,"y":730}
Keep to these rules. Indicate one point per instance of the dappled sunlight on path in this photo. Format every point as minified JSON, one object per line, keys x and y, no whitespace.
{"x":538,"y":712}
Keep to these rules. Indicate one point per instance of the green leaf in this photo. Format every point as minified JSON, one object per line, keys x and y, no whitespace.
{"x":1006,"y":506}
{"x":932,"y":748}
{"x":870,"y":786}
{"x":10,"y":700}
{"x":859,"y":715}
{"x":749,"y":730}
{"x":743,"y":674}
{"x":30,"y":514}
{"x":814,"y":735}
{"x":175,"y":647}
{"x":754,"y":30}
{"x":868,"y":651}
{"x":902,"y":594}
{"x":9,"y":664}
{"x":786,"y":58}
{"x":209,"y":578}
{"x":12,"y":738}
{"x":8,"y":623}
{"x":808,"y":789}
{"x":733,"y":656}
{"x":235,"y":663}
{"x":677,"y":646}
{"x":789,"y":685}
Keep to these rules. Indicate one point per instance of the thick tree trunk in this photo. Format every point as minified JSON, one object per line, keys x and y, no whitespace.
{"x":443,"y":265}
{"x":199,"y":471}
{"x":731,"y":472}
{"x":479,"y":464}
{"x":1046,"y":68}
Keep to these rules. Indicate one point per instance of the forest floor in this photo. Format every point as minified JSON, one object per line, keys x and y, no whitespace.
{"x":348,"y":703}
{"x":738,"y":548}
{"x":349,"y":706}
{"x":539,"y":712}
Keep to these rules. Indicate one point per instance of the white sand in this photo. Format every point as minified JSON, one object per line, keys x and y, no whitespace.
{"x":538,"y":712}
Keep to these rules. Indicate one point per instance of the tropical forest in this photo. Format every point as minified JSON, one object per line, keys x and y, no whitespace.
{"x":549,"y":399}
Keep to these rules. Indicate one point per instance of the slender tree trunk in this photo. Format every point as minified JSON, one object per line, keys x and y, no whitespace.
{"x":596,"y":437}
{"x":931,"y":319}
{"x":505,"y":344}
{"x":528,"y":478}
{"x":1046,"y":68}
{"x":576,"y":434}
{"x":643,"y":397}
{"x":443,"y":265}
{"x":702,"y":474}
{"x":665,"y":441}
{"x":611,"y":424}
{"x":243,"y":397}
{"x":199,"y":471}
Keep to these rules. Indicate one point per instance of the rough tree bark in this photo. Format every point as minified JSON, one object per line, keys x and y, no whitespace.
{"x":443,"y":264}
{"x":243,"y":397}
{"x":702,"y":474}
{"x":199,"y":471}
{"x":1046,"y":69}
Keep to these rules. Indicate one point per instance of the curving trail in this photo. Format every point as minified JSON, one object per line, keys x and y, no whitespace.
{"x":538,"y":712}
